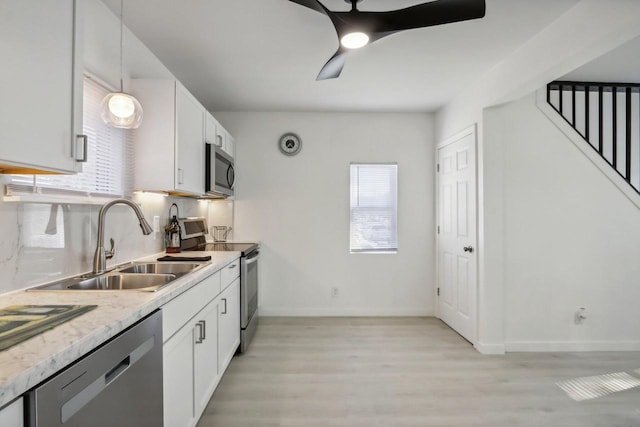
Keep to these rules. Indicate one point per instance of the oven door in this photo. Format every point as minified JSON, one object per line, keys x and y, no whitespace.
{"x":248,"y":287}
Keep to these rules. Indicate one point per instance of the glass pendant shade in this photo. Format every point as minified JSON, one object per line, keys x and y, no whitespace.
{"x":121,"y":110}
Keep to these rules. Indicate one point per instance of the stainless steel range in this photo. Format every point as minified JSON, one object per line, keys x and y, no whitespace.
{"x":193,"y":239}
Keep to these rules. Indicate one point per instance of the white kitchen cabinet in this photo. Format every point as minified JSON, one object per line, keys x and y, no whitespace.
{"x":41,"y":86}
{"x":211,"y":131}
{"x":12,"y":415}
{"x":229,"y":323}
{"x":230,"y":145}
{"x":206,"y":356}
{"x":218,"y":136}
{"x":178,"y":379}
{"x":201,"y":330}
{"x":191,"y":368}
{"x":170,"y":142}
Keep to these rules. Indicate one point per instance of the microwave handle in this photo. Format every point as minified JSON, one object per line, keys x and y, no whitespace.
{"x":232,"y":181}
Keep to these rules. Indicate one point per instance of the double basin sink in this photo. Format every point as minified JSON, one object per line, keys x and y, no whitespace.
{"x":136,"y":276}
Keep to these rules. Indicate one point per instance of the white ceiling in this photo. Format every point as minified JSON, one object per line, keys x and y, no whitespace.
{"x":621,"y":65}
{"x":264,"y":55}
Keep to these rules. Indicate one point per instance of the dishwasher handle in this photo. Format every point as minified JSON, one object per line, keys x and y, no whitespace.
{"x":90,"y":392}
{"x":117,"y":370}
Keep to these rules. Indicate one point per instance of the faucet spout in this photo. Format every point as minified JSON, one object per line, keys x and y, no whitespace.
{"x":99,"y":258}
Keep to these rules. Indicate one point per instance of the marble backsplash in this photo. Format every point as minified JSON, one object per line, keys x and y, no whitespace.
{"x":42,"y":242}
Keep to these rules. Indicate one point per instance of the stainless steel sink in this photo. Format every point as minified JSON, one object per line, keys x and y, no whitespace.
{"x":124,"y":282}
{"x":160,"y":268}
{"x":138,"y":277}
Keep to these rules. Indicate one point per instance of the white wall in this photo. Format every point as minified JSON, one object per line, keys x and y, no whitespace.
{"x":298,"y":207}
{"x":586,"y":31}
{"x":570,"y":240}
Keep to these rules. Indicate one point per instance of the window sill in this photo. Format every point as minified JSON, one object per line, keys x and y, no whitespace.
{"x":390,"y":252}
{"x":48,"y":198}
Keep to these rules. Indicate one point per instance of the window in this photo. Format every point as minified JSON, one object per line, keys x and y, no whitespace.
{"x":374,"y":208}
{"x":108,"y":171}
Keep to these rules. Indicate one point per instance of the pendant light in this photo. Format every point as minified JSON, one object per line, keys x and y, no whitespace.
{"x":120,"y":109}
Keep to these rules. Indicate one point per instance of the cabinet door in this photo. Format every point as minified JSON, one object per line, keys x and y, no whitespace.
{"x":206,"y":355}
{"x":40,"y":85}
{"x":178,"y":384}
{"x":229,"y":339}
{"x":221,"y":136}
{"x":12,"y":415}
{"x":189,"y":143}
{"x":230,"y":145}
{"x":210,"y":125}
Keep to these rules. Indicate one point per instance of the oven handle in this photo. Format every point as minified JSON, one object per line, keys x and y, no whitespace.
{"x":252,"y":259}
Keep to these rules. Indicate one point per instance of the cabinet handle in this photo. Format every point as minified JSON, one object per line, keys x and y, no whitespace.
{"x":204,"y":330}
{"x":180,"y":176}
{"x":200,"y":327}
{"x":85,"y":148}
{"x":233,"y":266}
{"x":225,"y":306}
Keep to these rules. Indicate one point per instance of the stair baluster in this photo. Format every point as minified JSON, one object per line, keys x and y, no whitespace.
{"x":607,"y":116}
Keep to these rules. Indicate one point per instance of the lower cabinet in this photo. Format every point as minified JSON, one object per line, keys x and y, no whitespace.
{"x":12,"y":415}
{"x":229,"y":339}
{"x":178,"y":379}
{"x":191,"y":368}
{"x":198,"y":348}
{"x":206,"y":356}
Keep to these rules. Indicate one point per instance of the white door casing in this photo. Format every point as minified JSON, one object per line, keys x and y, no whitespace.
{"x":457,"y":233}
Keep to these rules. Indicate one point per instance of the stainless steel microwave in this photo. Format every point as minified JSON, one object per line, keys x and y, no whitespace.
{"x":220,"y":175}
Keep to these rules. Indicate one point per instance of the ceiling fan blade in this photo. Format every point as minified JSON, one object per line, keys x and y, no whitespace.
{"x":333,"y":67}
{"x":433,"y":13}
{"x":313,"y":4}
{"x":419,"y":16}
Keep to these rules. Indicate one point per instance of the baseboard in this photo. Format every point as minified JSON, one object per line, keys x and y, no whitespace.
{"x":345,"y":312}
{"x":490,"y":348}
{"x":570,"y":346}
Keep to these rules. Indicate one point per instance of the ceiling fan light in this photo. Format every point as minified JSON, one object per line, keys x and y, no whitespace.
{"x":121,"y":110}
{"x":355,"y":40}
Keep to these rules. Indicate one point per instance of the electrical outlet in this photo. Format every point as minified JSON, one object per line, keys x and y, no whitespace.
{"x":334,"y":292}
{"x":579,"y":317}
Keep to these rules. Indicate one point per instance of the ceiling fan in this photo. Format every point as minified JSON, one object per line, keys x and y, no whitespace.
{"x":356,"y":29}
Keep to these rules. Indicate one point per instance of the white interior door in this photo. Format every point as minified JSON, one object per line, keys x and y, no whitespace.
{"x":457,"y":261}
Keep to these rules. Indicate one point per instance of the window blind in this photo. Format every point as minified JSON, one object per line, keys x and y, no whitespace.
{"x":374,"y":208}
{"x":108,"y":171}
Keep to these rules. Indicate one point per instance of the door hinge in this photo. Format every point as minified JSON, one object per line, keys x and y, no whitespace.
{"x":438,"y":291}
{"x":438,"y":167}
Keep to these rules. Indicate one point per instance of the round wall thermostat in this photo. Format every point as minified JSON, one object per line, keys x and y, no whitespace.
{"x":290,"y":144}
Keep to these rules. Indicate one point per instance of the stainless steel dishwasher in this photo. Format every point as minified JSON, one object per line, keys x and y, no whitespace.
{"x":118,"y":384}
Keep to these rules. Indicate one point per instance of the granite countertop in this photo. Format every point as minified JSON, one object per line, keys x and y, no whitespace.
{"x":30,"y":362}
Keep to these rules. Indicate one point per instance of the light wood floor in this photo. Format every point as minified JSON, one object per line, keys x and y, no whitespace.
{"x":406,"y":372}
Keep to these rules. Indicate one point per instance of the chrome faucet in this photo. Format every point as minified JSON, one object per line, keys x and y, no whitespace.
{"x":101,"y":255}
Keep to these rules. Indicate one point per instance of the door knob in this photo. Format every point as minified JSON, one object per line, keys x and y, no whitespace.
{"x":468,"y":249}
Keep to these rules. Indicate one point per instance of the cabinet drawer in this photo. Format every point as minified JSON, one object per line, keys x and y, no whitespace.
{"x":230,"y":273}
{"x":179,"y":310}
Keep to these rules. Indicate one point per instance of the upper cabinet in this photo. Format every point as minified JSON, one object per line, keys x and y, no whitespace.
{"x":218,"y":136}
{"x":170,"y":142}
{"x":41,"y":86}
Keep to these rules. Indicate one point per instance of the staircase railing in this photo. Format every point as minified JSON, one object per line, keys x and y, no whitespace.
{"x":607,"y":116}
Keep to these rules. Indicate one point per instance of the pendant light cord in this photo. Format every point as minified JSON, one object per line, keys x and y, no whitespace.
{"x":121,"y":44}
